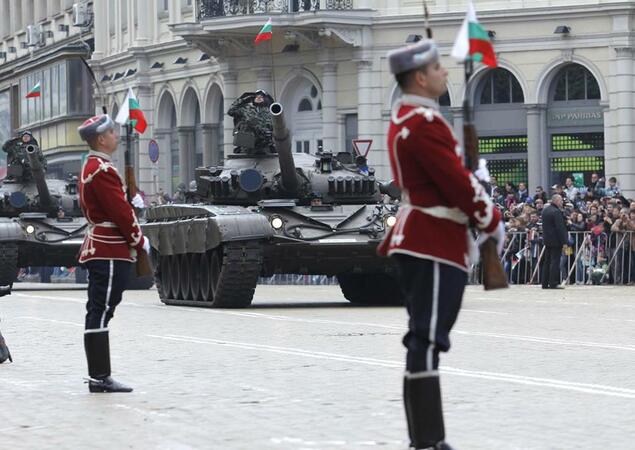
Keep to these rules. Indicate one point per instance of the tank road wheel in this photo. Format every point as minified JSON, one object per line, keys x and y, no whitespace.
{"x":205,"y":293}
{"x":195,"y":275}
{"x":175,"y":276}
{"x":371,"y":289}
{"x":185,"y":267}
{"x":8,"y":267}
{"x":234,"y":269}
{"x":162,"y":277}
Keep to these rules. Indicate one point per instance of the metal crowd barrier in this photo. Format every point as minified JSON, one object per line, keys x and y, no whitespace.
{"x":590,"y":258}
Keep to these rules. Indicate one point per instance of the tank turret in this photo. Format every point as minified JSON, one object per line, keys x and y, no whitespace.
{"x":33,"y":154}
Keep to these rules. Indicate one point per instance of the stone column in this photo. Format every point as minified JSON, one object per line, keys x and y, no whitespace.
{"x":620,"y":158}
{"x":230,"y":80}
{"x":186,"y":148}
{"x":164,"y":165}
{"x":537,"y":149}
{"x":174,"y":9}
{"x":39,"y":11}
{"x":15,"y":20}
{"x":145,"y":8}
{"x":264,"y":80}
{"x":131,"y":22}
{"x":329,"y":107}
{"x":102,"y":34}
{"x":369,"y":123}
{"x":209,"y":143}
{"x":27,"y":17}
{"x":118,"y":27}
{"x":145,"y":96}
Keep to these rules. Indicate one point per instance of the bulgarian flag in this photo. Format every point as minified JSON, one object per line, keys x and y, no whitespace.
{"x":265,"y":33}
{"x":35,"y":91}
{"x":473,"y":41}
{"x":130,"y":111}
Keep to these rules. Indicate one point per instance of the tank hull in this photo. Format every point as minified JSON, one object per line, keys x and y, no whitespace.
{"x":197,"y":248}
{"x":35,"y":240}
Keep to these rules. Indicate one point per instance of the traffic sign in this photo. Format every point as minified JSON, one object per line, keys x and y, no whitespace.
{"x":153,"y":150}
{"x":362,"y":146}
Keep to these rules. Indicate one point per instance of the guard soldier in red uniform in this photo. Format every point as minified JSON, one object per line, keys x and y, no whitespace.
{"x":430,"y":241}
{"x":110,"y":246}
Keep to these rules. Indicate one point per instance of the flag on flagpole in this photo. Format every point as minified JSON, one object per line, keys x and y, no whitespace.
{"x":35,"y":91}
{"x":473,"y":40}
{"x":265,"y":33}
{"x":130,"y":111}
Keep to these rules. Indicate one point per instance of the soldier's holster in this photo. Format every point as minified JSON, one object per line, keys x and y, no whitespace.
{"x":97,"y":346}
{"x":424,"y":412}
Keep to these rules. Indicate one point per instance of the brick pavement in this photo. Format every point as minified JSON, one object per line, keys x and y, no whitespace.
{"x":303,"y":369}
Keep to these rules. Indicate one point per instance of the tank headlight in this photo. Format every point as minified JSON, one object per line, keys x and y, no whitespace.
{"x":30,"y":229}
{"x":276,"y":223}
{"x":391,"y":221}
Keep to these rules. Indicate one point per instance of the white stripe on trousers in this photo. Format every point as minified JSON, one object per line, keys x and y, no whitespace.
{"x":433,"y":317}
{"x":107,"y":306}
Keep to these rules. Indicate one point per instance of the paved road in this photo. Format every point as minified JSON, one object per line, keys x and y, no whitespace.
{"x":302,"y":369}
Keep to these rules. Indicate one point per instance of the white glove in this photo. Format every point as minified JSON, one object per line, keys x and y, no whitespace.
{"x":137,"y":201}
{"x":482,"y":173}
{"x":499,"y":236}
{"x":146,"y":245}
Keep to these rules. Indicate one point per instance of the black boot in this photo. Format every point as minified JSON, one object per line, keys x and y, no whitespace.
{"x":4,"y":351}
{"x":97,"y":346}
{"x":422,"y":400}
{"x":107,"y":385}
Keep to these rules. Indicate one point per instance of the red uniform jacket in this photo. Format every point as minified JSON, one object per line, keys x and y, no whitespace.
{"x":113,"y":230}
{"x":440,"y":197}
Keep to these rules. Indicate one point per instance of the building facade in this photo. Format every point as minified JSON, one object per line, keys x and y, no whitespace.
{"x":40,"y":44}
{"x":560,"y":104}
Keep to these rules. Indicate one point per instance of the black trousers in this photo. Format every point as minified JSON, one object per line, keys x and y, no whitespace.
{"x":551,"y":267}
{"x":107,"y":280}
{"x":433,"y":293}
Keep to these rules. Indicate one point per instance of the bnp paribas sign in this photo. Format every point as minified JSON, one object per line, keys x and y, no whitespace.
{"x":575,"y":117}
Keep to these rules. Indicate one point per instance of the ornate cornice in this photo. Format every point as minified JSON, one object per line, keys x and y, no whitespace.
{"x":351,"y":36}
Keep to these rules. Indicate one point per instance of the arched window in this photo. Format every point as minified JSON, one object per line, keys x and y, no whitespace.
{"x":305,"y":105}
{"x":575,"y":82}
{"x":500,"y":86}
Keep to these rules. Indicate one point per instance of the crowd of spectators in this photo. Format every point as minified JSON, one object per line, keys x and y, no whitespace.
{"x":600,"y":221}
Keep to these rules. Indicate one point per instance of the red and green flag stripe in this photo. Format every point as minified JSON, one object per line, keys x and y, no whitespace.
{"x":35,"y":91}
{"x":265,"y":33}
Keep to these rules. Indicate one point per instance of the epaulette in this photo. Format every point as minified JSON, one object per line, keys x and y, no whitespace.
{"x":104,"y":166}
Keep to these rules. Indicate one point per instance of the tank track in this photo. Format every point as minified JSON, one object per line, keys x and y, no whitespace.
{"x":8,"y":266}
{"x":240,"y":268}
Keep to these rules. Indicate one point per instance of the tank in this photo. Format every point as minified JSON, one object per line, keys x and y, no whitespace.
{"x":41,"y":222}
{"x":269,"y":211}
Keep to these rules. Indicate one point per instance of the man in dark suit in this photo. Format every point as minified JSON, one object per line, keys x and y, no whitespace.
{"x":554,"y":232}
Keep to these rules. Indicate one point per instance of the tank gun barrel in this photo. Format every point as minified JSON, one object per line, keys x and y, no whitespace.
{"x":38,"y":175}
{"x":282,"y":141}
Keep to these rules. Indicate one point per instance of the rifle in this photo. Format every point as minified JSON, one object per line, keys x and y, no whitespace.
{"x":494,"y":276}
{"x":493,"y":273}
{"x":143,"y":267}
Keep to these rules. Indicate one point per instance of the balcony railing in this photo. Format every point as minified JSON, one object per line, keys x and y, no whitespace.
{"x":208,"y":9}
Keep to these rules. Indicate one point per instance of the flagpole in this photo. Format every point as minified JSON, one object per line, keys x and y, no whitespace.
{"x":273,"y":72}
{"x":41,"y":118}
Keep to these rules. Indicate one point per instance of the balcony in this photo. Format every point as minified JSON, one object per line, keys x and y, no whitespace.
{"x":209,"y":9}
